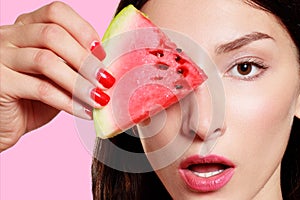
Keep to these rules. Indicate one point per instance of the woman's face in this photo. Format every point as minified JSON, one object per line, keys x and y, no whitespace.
{"x":259,"y":69}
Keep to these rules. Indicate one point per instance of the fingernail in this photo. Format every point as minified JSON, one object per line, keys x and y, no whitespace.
{"x":88,"y":112}
{"x":97,"y":50}
{"x":100,"y":97}
{"x":105,"y":78}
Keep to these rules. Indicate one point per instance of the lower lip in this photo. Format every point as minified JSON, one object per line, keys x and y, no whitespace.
{"x":208,"y":184}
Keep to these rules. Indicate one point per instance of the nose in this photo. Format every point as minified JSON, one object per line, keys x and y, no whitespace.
{"x":203,"y":116}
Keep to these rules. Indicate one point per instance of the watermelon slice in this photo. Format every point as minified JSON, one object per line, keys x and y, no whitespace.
{"x":151,"y":73}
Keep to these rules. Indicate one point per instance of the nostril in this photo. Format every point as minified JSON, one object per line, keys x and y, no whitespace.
{"x":192,"y":133}
{"x":206,"y":135}
{"x":217,"y":130}
{"x":215,"y":134}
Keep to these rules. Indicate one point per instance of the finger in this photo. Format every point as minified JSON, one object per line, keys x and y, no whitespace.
{"x":55,"y":38}
{"x":45,"y":62}
{"x":22,"y":86}
{"x":63,"y":15}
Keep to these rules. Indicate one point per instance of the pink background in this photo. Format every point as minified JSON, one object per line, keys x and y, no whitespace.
{"x":51,"y":162}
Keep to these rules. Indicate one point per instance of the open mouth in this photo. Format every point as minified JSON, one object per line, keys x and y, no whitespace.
{"x":207,"y":170}
{"x":206,"y":174}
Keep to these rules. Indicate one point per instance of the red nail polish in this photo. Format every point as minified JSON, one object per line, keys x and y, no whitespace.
{"x":100,"y":97}
{"x":105,"y":78}
{"x":97,"y":50}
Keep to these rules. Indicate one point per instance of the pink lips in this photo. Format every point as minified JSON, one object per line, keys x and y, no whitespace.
{"x":206,"y":174}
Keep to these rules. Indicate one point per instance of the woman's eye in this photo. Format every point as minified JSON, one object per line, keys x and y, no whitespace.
{"x":246,"y":70}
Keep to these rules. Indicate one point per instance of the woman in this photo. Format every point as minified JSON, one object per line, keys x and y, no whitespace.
{"x":254,"y":137}
{"x":258,"y":59}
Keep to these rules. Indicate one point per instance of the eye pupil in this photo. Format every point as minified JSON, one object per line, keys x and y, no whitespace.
{"x":244,"y":68}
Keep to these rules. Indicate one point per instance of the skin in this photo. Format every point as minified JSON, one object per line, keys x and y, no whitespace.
{"x":44,"y":90}
{"x":255,"y":130}
{"x":258,"y":119}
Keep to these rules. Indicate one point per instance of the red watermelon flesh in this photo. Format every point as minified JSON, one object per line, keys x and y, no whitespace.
{"x":151,"y":75}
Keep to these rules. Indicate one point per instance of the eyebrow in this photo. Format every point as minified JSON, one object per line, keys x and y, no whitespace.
{"x":242,"y":41}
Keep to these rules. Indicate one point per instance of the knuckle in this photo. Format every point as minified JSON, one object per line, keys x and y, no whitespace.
{"x":68,"y":105}
{"x":41,"y":58}
{"x":4,"y":33}
{"x":49,"y":32}
{"x":21,"y":18}
{"x":55,"y":8}
{"x":44,"y":91}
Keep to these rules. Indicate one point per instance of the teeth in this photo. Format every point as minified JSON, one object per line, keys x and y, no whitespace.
{"x":208,"y":174}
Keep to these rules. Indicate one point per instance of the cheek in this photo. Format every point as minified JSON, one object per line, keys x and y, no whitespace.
{"x":167,"y":145}
{"x":258,"y":121}
{"x":260,"y":109}
{"x":260,"y":115}
{"x":161,"y":129}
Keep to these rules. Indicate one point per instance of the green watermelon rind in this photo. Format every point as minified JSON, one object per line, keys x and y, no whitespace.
{"x":116,"y":26}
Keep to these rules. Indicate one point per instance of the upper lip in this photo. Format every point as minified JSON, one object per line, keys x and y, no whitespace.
{"x":210,"y":159}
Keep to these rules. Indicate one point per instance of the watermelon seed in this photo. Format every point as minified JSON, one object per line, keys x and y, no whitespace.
{"x":180,"y":71}
{"x":177,"y":59}
{"x":178,"y":50}
{"x":178,"y":87}
{"x":162,"y":66}
{"x":157,"y":53}
{"x":183,"y":71}
{"x":157,"y":78}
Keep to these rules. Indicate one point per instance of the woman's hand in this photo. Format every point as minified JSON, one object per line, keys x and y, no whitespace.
{"x":47,"y":66}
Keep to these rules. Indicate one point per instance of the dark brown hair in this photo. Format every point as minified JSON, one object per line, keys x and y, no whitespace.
{"x":109,"y":183}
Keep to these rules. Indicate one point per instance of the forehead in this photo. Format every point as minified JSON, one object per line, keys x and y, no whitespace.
{"x":210,"y":22}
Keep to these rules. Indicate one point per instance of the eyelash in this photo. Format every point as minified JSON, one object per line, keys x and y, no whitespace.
{"x":253,"y":62}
